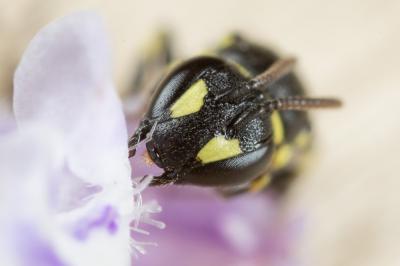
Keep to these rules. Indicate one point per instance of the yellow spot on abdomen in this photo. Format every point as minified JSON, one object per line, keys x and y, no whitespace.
{"x":282,"y":156}
{"x":277,"y":126}
{"x":191,"y":101}
{"x":219,"y":148}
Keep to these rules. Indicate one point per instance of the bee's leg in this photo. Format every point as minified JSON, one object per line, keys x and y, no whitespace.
{"x":282,"y":179}
{"x":153,"y":59}
{"x":166,"y":178}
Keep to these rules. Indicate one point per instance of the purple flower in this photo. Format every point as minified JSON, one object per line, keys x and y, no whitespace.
{"x":67,"y":197}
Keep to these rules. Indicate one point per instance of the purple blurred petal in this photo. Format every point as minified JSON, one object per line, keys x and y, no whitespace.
{"x":206,"y":229}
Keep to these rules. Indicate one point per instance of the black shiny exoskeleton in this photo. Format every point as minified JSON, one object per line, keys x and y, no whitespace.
{"x":249,"y":124}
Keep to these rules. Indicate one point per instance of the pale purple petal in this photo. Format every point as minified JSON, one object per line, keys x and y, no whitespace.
{"x":33,"y":231}
{"x":87,"y":202}
{"x":64,"y":81}
{"x":28,"y":160}
{"x":33,"y":249}
{"x":64,"y":67}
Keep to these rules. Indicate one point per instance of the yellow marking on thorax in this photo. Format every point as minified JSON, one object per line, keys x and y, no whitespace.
{"x":173,"y":64}
{"x":155,"y":46}
{"x":208,"y":52}
{"x":219,"y":148}
{"x":282,"y":156}
{"x":277,"y":126}
{"x":191,"y":101}
{"x":260,"y":183}
{"x":227,"y":41}
{"x":242,"y":70}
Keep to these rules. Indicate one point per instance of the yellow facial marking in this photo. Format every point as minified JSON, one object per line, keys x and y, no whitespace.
{"x":303,"y":139}
{"x":282,"y":156}
{"x":191,"y":101}
{"x":219,"y":148}
{"x":260,"y":183}
{"x":277,"y":126}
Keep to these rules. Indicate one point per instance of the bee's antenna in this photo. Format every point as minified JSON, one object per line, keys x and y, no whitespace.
{"x":275,"y":72}
{"x":300,"y":103}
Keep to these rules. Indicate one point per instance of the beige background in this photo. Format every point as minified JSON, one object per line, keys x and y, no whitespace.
{"x":345,"y":48}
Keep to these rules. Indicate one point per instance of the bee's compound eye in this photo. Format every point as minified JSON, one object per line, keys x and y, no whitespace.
{"x":191,"y":101}
{"x":219,"y":148}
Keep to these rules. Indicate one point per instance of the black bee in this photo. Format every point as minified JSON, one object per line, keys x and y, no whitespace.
{"x":235,"y":119}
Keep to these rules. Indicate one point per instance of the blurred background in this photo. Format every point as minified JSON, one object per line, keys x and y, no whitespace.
{"x":349,"y":49}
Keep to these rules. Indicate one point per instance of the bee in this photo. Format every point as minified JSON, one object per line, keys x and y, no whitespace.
{"x":236,"y":119}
